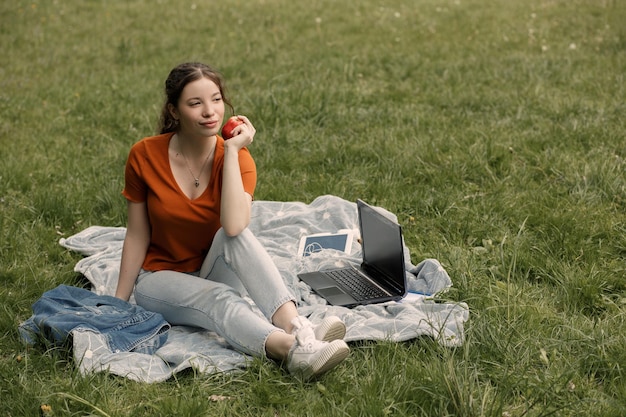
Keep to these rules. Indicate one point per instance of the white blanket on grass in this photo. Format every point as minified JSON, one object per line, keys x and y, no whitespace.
{"x":278,"y":226}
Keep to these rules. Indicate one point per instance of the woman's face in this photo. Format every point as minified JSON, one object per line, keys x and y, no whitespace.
{"x":200,"y":109}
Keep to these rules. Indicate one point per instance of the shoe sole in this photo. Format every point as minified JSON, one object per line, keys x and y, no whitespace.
{"x":332,"y":356}
{"x":330,"y":329}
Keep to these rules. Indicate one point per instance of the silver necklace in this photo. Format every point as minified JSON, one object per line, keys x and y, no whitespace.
{"x":196,"y":180}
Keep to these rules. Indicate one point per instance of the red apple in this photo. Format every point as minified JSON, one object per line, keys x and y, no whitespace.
{"x":231,"y":123}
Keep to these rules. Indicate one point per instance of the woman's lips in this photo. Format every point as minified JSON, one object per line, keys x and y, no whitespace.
{"x":209,"y":124}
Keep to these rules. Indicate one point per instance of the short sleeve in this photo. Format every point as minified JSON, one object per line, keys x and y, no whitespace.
{"x":135,"y":189}
{"x":248,"y":171}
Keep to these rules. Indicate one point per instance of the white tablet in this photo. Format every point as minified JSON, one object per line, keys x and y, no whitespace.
{"x":342,"y":241}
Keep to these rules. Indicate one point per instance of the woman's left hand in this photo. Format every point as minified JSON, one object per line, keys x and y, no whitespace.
{"x":243,"y":134}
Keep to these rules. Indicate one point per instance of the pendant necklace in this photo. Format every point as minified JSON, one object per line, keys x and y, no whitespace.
{"x":196,"y":180}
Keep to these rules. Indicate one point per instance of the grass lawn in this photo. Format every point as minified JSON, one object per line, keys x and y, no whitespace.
{"x":494,"y":129}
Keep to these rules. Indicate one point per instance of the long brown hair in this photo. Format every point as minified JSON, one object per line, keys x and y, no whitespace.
{"x":178,"y":78}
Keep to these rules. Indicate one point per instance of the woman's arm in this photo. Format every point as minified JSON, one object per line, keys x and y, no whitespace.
{"x":135,"y":247}
{"x":236,"y":204}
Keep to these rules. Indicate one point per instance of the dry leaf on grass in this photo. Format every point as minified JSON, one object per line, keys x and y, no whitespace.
{"x":217,"y":398}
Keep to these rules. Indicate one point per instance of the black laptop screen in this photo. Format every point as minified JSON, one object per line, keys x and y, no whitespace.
{"x":382,"y":245}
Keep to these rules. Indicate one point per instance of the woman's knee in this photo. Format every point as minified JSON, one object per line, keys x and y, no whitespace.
{"x":244,"y":243}
{"x":245,"y":236}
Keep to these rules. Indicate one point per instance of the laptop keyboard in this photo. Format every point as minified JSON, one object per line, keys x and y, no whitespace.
{"x":362,"y":288}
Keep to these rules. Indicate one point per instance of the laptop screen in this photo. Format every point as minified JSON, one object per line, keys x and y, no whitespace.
{"x":382,"y":245}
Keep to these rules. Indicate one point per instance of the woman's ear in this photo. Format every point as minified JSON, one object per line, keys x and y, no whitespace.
{"x":173,"y":111}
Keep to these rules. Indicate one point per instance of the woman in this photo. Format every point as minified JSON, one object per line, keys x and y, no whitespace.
{"x":188,"y":253}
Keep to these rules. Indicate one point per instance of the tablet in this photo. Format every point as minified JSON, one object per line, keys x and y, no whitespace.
{"x":341,"y":241}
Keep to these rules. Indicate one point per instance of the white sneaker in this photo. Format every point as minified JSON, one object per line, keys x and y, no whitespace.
{"x":331,"y":328}
{"x":310,"y":357}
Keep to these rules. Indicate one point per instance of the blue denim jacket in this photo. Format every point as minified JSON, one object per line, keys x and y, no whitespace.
{"x":126,"y":327}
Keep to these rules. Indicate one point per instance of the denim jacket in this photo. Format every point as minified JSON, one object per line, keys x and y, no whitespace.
{"x":126,"y":327}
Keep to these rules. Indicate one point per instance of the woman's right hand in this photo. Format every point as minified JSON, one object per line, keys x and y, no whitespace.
{"x":243,"y":134}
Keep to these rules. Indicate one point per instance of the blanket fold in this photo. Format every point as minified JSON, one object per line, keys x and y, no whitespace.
{"x":279,"y":227}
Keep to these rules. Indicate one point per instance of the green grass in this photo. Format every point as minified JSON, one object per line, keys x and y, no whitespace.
{"x":494,"y":129}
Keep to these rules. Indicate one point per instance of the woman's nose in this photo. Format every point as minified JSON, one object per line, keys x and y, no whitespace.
{"x":207,"y":110}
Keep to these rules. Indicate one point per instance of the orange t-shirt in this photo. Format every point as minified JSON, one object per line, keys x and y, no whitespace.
{"x":182,"y":230}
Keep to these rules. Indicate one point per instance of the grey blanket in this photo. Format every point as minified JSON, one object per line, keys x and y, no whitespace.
{"x":278,"y":226}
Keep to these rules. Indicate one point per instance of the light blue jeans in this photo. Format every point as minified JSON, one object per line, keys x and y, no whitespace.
{"x":212,"y":298}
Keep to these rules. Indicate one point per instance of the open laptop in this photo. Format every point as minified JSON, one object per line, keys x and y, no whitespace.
{"x":379,"y":278}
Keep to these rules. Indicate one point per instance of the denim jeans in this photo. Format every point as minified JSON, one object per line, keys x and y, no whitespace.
{"x":212,"y":298}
